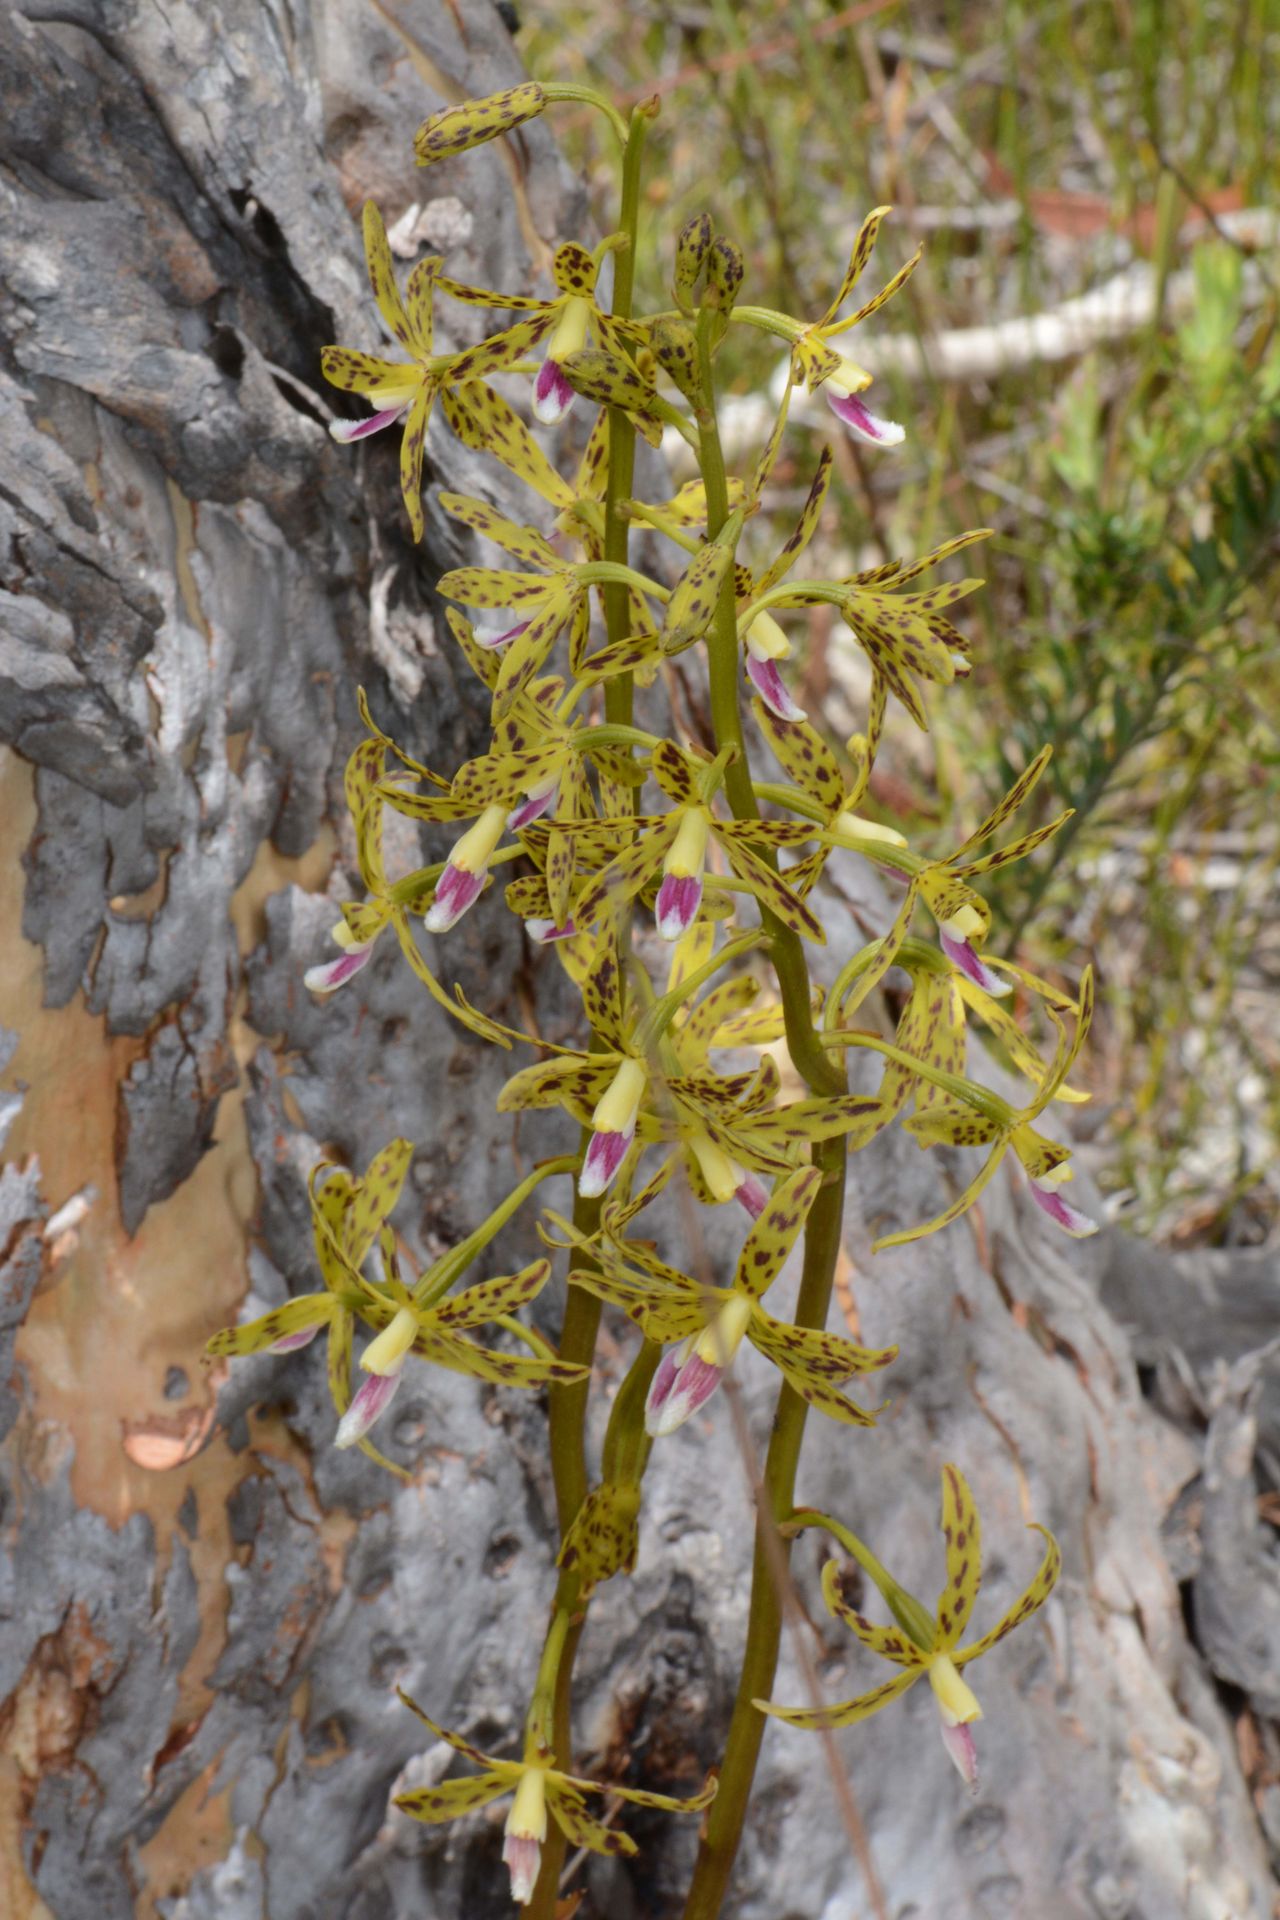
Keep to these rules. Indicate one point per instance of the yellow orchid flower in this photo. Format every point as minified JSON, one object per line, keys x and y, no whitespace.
{"x":572,"y":317}
{"x":349,"y":1218}
{"x":400,"y":390}
{"x":542,"y":1791}
{"x":703,"y":1326}
{"x":919,"y":1644}
{"x":998,"y":1125}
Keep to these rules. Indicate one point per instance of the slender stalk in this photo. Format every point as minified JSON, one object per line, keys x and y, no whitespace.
{"x":568,"y":1405}
{"x":723,"y":1831}
{"x":820,"y":1072}
{"x":728,"y":1811}
{"x":618,"y":693}
{"x":625,"y":1457}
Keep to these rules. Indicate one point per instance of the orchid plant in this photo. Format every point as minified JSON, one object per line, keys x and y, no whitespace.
{"x":674,"y":881}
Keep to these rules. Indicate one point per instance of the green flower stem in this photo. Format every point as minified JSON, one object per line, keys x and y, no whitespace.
{"x":769,"y":321}
{"x":664,"y":1010}
{"x":609,"y":573}
{"x":540,"y":1720}
{"x":724,"y":1821}
{"x":574,"y":90}
{"x":723,"y":1831}
{"x":437,"y":1280}
{"x":611,"y":736}
{"x":624,"y":1458}
{"x":973,"y":1095}
{"x":626,"y":1444}
{"x":620,"y":479}
{"x":906,"y":1609}
{"x":568,"y":1405}
{"x":819,"y":1072}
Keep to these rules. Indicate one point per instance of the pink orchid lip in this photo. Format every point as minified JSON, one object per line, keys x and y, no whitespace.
{"x":678,"y":1389}
{"x":962,"y":955}
{"x":769,"y":684}
{"x":336,"y":973}
{"x":545,"y":931}
{"x":1061,"y":1212}
{"x":294,"y":1342}
{"x":679,"y":898}
{"x":456,"y":890}
{"x":603,"y":1158}
{"x":867,"y":425}
{"x":752,"y":1194}
{"x":372,"y":1398}
{"x":491,"y":638}
{"x":552,"y":394}
{"x":521,"y":1855}
{"x":962,"y":1751}
{"x":532,"y":807}
{"x":344,"y":431}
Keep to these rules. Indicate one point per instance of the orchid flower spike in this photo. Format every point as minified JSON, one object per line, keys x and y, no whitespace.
{"x":918,"y":1644}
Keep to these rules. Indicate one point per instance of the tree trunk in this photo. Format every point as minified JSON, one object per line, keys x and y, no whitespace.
{"x":205,"y":1606}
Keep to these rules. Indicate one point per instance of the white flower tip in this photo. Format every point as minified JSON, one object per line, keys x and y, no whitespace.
{"x":962,"y":1751}
{"x":522,"y":1857}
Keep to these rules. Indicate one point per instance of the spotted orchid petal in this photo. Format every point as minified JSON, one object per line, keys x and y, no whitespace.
{"x":540,"y":799}
{"x":604,"y":1157}
{"x":526,"y":1830}
{"x":962,"y":1751}
{"x":752,"y":1194}
{"x":456,"y":890}
{"x":679,"y":898}
{"x":679,"y":1388}
{"x":680,"y":894}
{"x":689,"y":1374}
{"x":552,"y":394}
{"x":294,"y":1342}
{"x":614,"y":1128}
{"x":860,"y":419}
{"x":766,"y":645}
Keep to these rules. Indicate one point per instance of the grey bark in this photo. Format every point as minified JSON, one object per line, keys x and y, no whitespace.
{"x":195,"y":579}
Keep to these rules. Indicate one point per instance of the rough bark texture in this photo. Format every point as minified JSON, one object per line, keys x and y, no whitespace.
{"x":205,"y":1608}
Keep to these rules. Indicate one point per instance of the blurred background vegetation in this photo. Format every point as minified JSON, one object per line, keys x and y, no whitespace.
{"x":1106,"y":170}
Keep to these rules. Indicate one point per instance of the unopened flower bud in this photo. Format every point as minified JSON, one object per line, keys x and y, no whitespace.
{"x":691,"y":253}
{"x":456,"y":129}
{"x":724,"y":274}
